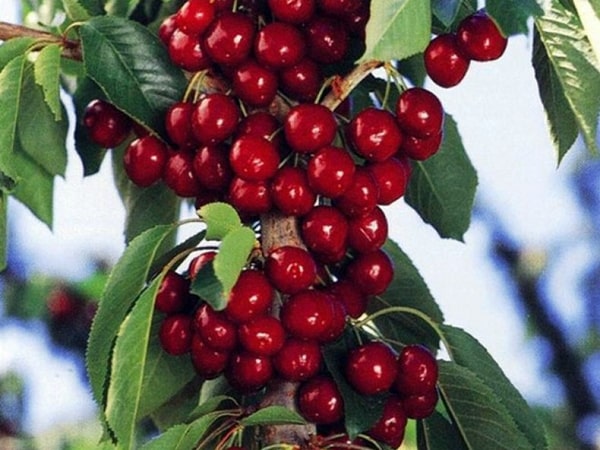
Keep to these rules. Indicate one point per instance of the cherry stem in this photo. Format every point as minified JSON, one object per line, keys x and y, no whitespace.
{"x":344,"y":86}
{"x":71,"y":49}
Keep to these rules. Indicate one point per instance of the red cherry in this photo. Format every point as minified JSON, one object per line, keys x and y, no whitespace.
{"x":250,"y":197}
{"x":175,"y":334}
{"x":301,"y":82}
{"x":390,"y":427}
{"x":250,"y":297}
{"x":369,"y":232}
{"x":215,"y":328}
{"x":374,"y":134}
{"x":372,"y":272}
{"x":324,"y":230}
{"x":298,"y":360}
{"x":254,"y":84}
{"x":212,"y":168}
{"x":63,"y":307}
{"x":308,"y":127}
{"x":199,"y":261}
{"x":479,"y":37}
{"x":247,"y":372}
{"x":254,"y":158}
{"x":195,"y":16}
{"x":420,"y":406}
{"x":354,"y":301}
{"x":338,"y":322}
{"x":166,"y":29}
{"x":173,"y":293}
{"x":391,"y":177}
{"x":106,"y":125}
{"x":292,"y":11}
{"x":278,"y":45}
{"x":320,"y":401}
{"x":178,"y":119}
{"x":179,"y":174}
{"x":215,"y":118}
{"x":421,"y":149}
{"x":419,"y":112}
{"x":356,"y":21}
{"x":371,"y":368}
{"x":331,"y":171}
{"x":327,"y":39}
{"x":291,"y":192}
{"x":307,"y":314}
{"x":444,"y":62}
{"x":208,"y":362}
{"x":417,"y":371}
{"x":290,"y":269}
{"x":338,"y":7}
{"x":259,"y":123}
{"x":186,"y":52}
{"x":229,"y":38}
{"x":263,"y":335}
{"x":144,"y":160}
{"x":361,"y":197}
{"x":223,"y":5}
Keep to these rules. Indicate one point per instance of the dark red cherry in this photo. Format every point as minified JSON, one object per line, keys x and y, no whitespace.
{"x":390,"y":427}
{"x":417,"y":371}
{"x":215,"y":328}
{"x":356,"y":21}
{"x":445,"y":64}
{"x":223,"y":5}
{"x":419,"y":112}
{"x":372,"y":272}
{"x":391,"y":177}
{"x":331,"y":171}
{"x":250,"y":297}
{"x":106,"y":125}
{"x":173,"y":293}
{"x":253,"y":158}
{"x":307,"y":314}
{"x":175,"y":334}
{"x":186,"y":52}
{"x":374,"y":134}
{"x":144,"y":160}
{"x":301,"y":82}
{"x":254,"y":84}
{"x":278,"y":45}
{"x":250,"y":197}
{"x":247,"y":372}
{"x":179,"y":174}
{"x":178,"y":120}
{"x":354,"y":301}
{"x":338,"y":321}
{"x":290,"y":269}
{"x":368,"y":232}
{"x":421,"y":149}
{"x":320,"y":401}
{"x":292,"y":11}
{"x":259,"y":123}
{"x":212,"y":168}
{"x":361,"y":197}
{"x":420,"y":406}
{"x":208,"y":361}
{"x":308,"y":127}
{"x":325,"y":230}
{"x":479,"y":37}
{"x":195,"y":16}
{"x":200,"y":261}
{"x":166,"y":29}
{"x":215,"y":118}
{"x":263,"y":335}
{"x":229,"y":38}
{"x":298,"y":359}
{"x":371,"y":368}
{"x":338,"y":7}
{"x":327,"y":39}
{"x":291,"y":192}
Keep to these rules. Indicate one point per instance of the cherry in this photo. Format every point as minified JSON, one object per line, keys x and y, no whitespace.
{"x":179,"y":174}
{"x":106,"y":125}
{"x":247,"y":372}
{"x":354,"y":301}
{"x":253,"y":158}
{"x":374,"y":134}
{"x":278,"y":45}
{"x":331,"y":171}
{"x":391,"y":177}
{"x":373,"y":272}
{"x":208,"y":361}
{"x":178,"y":120}
{"x":361,"y":197}
{"x":302,"y":81}
{"x":144,"y":160}
{"x":195,"y":16}
{"x":250,"y":297}
{"x":263,"y":335}
{"x":444,"y":62}
{"x":254,"y":84}
{"x":298,"y":359}
{"x":175,"y":334}
{"x":339,"y":7}
{"x":186,"y":52}
{"x":259,"y":123}
{"x":292,"y":11}
{"x":223,"y":5}
{"x":173,"y":293}
{"x":199,"y":261}
{"x":250,"y":197}
{"x":479,"y":37}
{"x":420,"y":406}
{"x":308,"y":127}
{"x":166,"y":29}
{"x":215,"y":328}
{"x":338,"y":321}
{"x":229,"y":38}
{"x":417,"y":371}
{"x":320,"y":401}
{"x":327,"y":39}
{"x":368,"y":232}
{"x":390,"y":427}
{"x":356,"y":21}
{"x":421,"y":149}
{"x":290,"y":269}
{"x":307,"y":314}
{"x":419,"y":112}
{"x":324,"y":230}
{"x":291,"y":192}
{"x":212,"y":168}
{"x":63,"y":306}
{"x":371,"y":368}
{"x":215,"y":118}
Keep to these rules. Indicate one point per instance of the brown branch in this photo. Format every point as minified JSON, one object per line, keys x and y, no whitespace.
{"x":71,"y":49}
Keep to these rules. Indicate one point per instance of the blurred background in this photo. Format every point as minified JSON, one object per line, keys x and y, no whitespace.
{"x":526,"y":281}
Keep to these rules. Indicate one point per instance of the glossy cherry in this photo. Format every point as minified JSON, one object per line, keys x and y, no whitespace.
{"x":292,"y":11}
{"x":320,"y":401}
{"x":417,"y":371}
{"x":368,"y":232}
{"x":212,"y":168}
{"x":263,"y":335}
{"x":324,"y":230}
{"x":178,"y":119}
{"x":247,"y":372}
{"x":229,"y":38}
{"x":173,"y":293}
{"x":144,"y":160}
{"x":250,"y":297}
{"x":419,"y":112}
{"x":308,"y":127}
{"x":179,"y":174}
{"x":373,"y":272}
{"x":479,"y":37}
{"x":290,"y":269}
{"x":166,"y":29}
{"x":374,"y":134}
{"x":186,"y":52}
{"x":338,"y":321}
{"x":339,"y":7}
{"x":371,"y":368}
{"x":215,"y":328}
{"x":391,"y":426}
{"x":444,"y":62}
{"x":253,"y":158}
{"x":250,"y":197}
{"x":175,"y":334}
{"x":208,"y":362}
{"x":106,"y":125}
{"x":361,"y":197}
{"x":215,"y":118}
{"x":291,"y":191}
{"x":199,"y":261}
{"x":421,"y":149}
{"x":354,"y":301}
{"x":259,"y":123}
{"x":307,"y":314}
{"x":255,"y":84}
{"x":298,"y":359}
{"x":391,"y":177}
{"x":420,"y":406}
{"x":302,"y":81}
{"x":327,"y":39}
{"x":279,"y":45}
{"x":331,"y":171}
{"x":195,"y":16}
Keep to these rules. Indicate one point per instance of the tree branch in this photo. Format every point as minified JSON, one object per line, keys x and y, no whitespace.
{"x":71,"y":49}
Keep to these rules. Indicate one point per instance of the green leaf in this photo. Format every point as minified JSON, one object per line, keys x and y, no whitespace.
{"x":512,"y":15}
{"x":11,"y":84}
{"x":397,"y":29}
{"x":437,"y":433}
{"x":482,"y":420}
{"x":127,"y":375}
{"x":179,"y":407}
{"x":75,"y":10}
{"x":184,"y":436}
{"x":589,"y":14}
{"x":3,"y":230}
{"x":125,"y":283}
{"x":442,"y":188}
{"x":220,"y":218}
{"x":14,"y":48}
{"x":132,"y":67}
{"x":273,"y":415}
{"x":445,"y":10}
{"x":468,"y":352}
{"x":46,"y":69}
{"x":122,"y":8}
{"x":570,"y":55}
{"x":211,"y":405}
